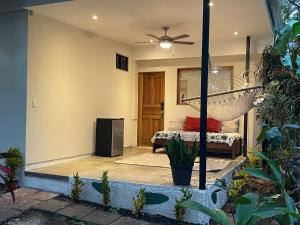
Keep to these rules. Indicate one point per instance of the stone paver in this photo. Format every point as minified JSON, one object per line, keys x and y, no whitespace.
{"x":6,"y":214}
{"x":130,"y":221}
{"x":22,"y":193}
{"x":101,"y":217}
{"x":51,"y":205}
{"x":43,"y":196}
{"x":76,"y":210}
{"x":23,"y":204}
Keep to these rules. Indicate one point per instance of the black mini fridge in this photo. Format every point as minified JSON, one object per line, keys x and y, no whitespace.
{"x":109,"y":137}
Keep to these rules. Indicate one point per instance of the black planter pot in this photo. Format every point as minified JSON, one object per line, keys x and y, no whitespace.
{"x":182,"y":174}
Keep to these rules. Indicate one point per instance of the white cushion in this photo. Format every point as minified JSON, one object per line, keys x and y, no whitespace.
{"x":230,"y":126}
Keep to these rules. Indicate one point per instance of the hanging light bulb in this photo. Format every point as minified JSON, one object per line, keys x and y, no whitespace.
{"x":166,"y":44}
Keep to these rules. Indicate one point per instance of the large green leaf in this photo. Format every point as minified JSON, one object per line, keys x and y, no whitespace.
{"x":262,"y":135}
{"x":264,"y":215}
{"x":286,"y":35}
{"x":217,"y":215}
{"x":290,"y":206}
{"x":289,"y":217}
{"x":275,"y":169}
{"x":259,"y":173}
{"x":286,"y":61}
{"x":274,"y":136}
{"x":242,"y":200}
{"x":298,"y":66}
{"x":244,"y":212}
{"x":291,"y":126}
{"x":155,"y":198}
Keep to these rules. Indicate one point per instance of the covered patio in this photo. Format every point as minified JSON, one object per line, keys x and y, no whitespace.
{"x":72,"y":80}
{"x":93,"y":167}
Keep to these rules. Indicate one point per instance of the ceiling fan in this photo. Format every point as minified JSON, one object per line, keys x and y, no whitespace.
{"x":166,"y":41}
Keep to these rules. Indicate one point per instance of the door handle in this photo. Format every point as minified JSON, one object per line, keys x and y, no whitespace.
{"x":162,"y":107}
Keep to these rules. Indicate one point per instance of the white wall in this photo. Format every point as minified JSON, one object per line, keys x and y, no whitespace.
{"x":72,"y":77}
{"x":174,"y":112}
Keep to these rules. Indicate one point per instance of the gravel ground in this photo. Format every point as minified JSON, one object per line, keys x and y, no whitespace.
{"x":38,"y":218}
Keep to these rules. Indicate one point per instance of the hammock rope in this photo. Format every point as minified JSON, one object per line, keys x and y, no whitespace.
{"x":228,"y":99}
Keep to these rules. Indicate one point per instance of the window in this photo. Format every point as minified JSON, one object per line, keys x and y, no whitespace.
{"x":189,"y":81}
{"x":121,"y":62}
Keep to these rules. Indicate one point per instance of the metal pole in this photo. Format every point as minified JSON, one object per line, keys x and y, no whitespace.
{"x":248,"y":45}
{"x":204,"y":84}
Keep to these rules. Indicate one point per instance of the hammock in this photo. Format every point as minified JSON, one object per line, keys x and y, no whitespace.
{"x":227,"y":100}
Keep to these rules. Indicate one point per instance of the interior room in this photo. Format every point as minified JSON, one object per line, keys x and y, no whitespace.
{"x":103,"y":60}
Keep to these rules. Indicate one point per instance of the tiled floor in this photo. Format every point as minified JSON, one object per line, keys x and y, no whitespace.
{"x":92,"y":167}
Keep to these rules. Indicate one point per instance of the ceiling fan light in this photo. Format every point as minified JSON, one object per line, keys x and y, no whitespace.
{"x":165,"y":44}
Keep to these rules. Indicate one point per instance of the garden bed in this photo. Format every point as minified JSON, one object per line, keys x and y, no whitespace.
{"x":255,"y":185}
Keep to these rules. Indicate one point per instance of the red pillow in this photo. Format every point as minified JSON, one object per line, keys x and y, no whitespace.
{"x":191,"y":124}
{"x":213,"y":125}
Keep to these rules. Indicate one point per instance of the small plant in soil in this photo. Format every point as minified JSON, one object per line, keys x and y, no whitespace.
{"x":13,"y":163}
{"x":179,"y":209}
{"x":240,"y":179}
{"x":76,"y":188}
{"x":138,"y":203}
{"x":105,"y":189}
{"x":6,"y":172}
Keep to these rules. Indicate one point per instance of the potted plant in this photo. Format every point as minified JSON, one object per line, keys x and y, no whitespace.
{"x":182,"y":158}
{"x":13,"y":163}
{"x":6,"y":172}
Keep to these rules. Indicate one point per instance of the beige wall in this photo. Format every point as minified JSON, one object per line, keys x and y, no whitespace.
{"x":72,"y":77}
{"x":174,"y":112}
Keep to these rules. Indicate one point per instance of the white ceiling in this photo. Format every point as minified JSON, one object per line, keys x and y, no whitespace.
{"x":128,"y":21}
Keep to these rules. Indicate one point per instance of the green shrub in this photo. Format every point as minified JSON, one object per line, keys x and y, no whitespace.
{"x":16,"y":161}
{"x":237,"y":184}
{"x":179,"y":209}
{"x":139,"y":202}
{"x":105,"y":189}
{"x":76,"y":188}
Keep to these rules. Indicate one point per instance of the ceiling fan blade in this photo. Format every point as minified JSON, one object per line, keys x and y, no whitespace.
{"x":184,"y":42}
{"x":146,"y":42}
{"x":180,"y":37}
{"x":151,"y":35}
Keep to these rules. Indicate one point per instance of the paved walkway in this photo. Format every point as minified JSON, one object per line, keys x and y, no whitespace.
{"x":30,"y":199}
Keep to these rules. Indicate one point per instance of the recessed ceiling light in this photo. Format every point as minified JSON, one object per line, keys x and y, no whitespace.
{"x":151,"y":41}
{"x":211,"y":4}
{"x":236,"y":33}
{"x":95,"y":17}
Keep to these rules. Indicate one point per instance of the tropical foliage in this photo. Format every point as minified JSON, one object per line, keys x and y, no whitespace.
{"x":180,"y":153}
{"x":280,"y":109}
{"x":179,"y":209}
{"x":250,"y":207}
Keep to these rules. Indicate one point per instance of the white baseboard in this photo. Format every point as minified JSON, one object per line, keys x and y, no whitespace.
{"x":31,"y":166}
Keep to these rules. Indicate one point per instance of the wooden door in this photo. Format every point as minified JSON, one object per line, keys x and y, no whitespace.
{"x":151,"y":106}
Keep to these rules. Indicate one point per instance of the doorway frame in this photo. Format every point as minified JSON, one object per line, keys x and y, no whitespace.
{"x":140,"y":76}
